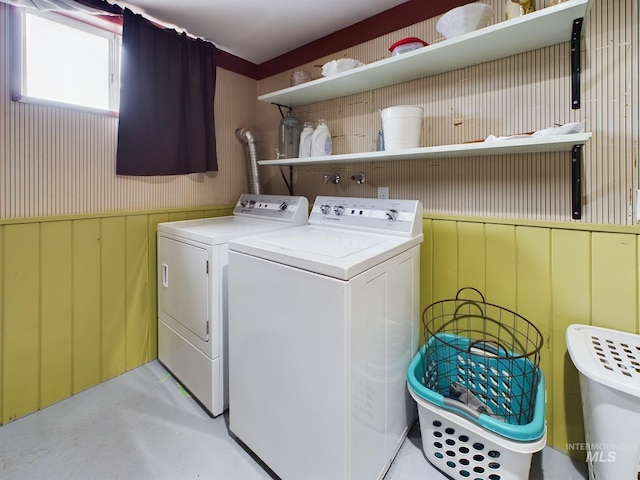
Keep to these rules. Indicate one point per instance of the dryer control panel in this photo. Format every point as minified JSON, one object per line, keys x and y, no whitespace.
{"x":273,"y":207}
{"x":396,"y":217}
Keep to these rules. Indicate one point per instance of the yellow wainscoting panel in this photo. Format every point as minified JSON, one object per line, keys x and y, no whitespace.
{"x":426,"y":267}
{"x":551,"y":274}
{"x":615,"y":274}
{"x":1,"y":323}
{"x":55,"y":311}
{"x":502,"y":265}
{"x":138,"y":288}
{"x":571,"y":274}
{"x":444,"y":241}
{"x":77,"y":302}
{"x":177,"y":216}
{"x":21,"y":321}
{"x":471,"y":256}
{"x":500,"y":268}
{"x":533,"y":289}
{"x":86,"y":321}
{"x":113,"y":296}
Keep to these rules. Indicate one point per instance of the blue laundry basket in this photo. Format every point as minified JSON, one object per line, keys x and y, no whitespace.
{"x":433,"y":370}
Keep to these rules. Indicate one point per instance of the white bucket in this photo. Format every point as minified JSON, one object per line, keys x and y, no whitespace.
{"x":402,"y":126}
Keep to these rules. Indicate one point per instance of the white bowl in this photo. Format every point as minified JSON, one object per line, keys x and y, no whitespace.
{"x":340,"y":65}
{"x":464,"y":19}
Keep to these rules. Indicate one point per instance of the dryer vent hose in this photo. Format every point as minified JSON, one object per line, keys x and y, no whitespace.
{"x":251,"y":155}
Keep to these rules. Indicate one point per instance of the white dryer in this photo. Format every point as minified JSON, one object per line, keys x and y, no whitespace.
{"x":323,"y":323}
{"x":192,"y":290}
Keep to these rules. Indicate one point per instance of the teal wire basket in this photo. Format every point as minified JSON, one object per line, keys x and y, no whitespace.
{"x":482,"y":361}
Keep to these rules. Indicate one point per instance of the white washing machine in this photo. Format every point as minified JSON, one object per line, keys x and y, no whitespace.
{"x":323,"y":323}
{"x":192,"y":290}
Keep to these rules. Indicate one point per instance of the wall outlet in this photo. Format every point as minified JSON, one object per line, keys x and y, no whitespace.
{"x":383,"y":192}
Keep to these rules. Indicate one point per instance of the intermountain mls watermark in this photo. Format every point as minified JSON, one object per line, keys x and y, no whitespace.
{"x":602,"y":452}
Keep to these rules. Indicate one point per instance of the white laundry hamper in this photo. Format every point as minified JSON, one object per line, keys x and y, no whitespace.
{"x":608,"y":362}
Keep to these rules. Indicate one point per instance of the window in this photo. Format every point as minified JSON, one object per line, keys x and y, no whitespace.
{"x":67,"y":62}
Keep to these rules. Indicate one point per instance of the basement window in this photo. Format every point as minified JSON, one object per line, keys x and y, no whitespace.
{"x":67,"y":62}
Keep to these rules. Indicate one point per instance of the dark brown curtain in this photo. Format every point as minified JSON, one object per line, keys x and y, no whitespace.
{"x":166,"y":101}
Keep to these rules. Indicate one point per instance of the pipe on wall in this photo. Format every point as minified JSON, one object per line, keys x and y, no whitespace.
{"x":250,"y":146}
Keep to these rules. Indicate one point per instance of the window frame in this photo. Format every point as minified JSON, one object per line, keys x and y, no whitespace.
{"x":84,"y":22}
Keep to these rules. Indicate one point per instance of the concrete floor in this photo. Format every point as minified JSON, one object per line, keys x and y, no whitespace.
{"x":143,"y":425}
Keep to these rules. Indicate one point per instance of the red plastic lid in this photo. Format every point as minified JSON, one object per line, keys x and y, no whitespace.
{"x":407,"y":40}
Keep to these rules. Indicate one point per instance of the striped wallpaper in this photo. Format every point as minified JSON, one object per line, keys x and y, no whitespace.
{"x":56,"y":161}
{"x":517,"y":94}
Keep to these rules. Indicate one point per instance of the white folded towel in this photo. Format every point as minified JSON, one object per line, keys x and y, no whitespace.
{"x":566,"y":129}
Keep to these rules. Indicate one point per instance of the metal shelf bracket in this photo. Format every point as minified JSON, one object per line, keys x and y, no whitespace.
{"x":575,"y":63}
{"x":576,"y":182}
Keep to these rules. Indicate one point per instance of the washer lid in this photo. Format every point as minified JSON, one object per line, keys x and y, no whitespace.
{"x":337,"y":253}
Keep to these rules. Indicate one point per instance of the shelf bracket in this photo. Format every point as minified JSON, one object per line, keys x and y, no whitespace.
{"x":576,"y":182}
{"x":575,"y":63}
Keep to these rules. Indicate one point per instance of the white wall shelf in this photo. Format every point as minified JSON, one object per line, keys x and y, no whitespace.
{"x":548,"y":26}
{"x":557,"y":143}
{"x":545,"y":27}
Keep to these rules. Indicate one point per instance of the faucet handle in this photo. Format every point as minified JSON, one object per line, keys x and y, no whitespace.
{"x":359,"y":178}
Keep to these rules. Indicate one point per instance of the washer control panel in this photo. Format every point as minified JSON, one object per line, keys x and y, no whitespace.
{"x":399,"y":217}
{"x":273,"y":207}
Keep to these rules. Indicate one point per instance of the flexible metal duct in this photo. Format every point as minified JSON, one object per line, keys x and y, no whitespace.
{"x":251,"y":154}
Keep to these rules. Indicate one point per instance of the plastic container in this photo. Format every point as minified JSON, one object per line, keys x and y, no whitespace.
{"x":463,"y":450}
{"x":289,"y":136}
{"x":305,"y":140}
{"x":300,"y":76}
{"x":406,"y":45}
{"x":464,"y":19}
{"x":460,"y":447}
{"x":402,"y":126}
{"x":608,"y":363}
{"x":321,"y":144}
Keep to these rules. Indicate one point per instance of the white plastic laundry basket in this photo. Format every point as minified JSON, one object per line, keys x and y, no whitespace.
{"x":463,"y":450}
{"x":608,"y":362}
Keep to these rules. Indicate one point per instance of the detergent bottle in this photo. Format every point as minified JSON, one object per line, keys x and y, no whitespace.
{"x":321,"y":140}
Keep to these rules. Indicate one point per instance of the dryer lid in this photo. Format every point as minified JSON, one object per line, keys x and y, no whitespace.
{"x":215,"y":231}
{"x":253,"y":213}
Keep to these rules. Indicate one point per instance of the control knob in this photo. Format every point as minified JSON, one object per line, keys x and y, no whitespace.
{"x":284,"y":206}
{"x":391,"y":214}
{"x":244,"y":203}
{"x":338,"y":210}
{"x":325,"y":209}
